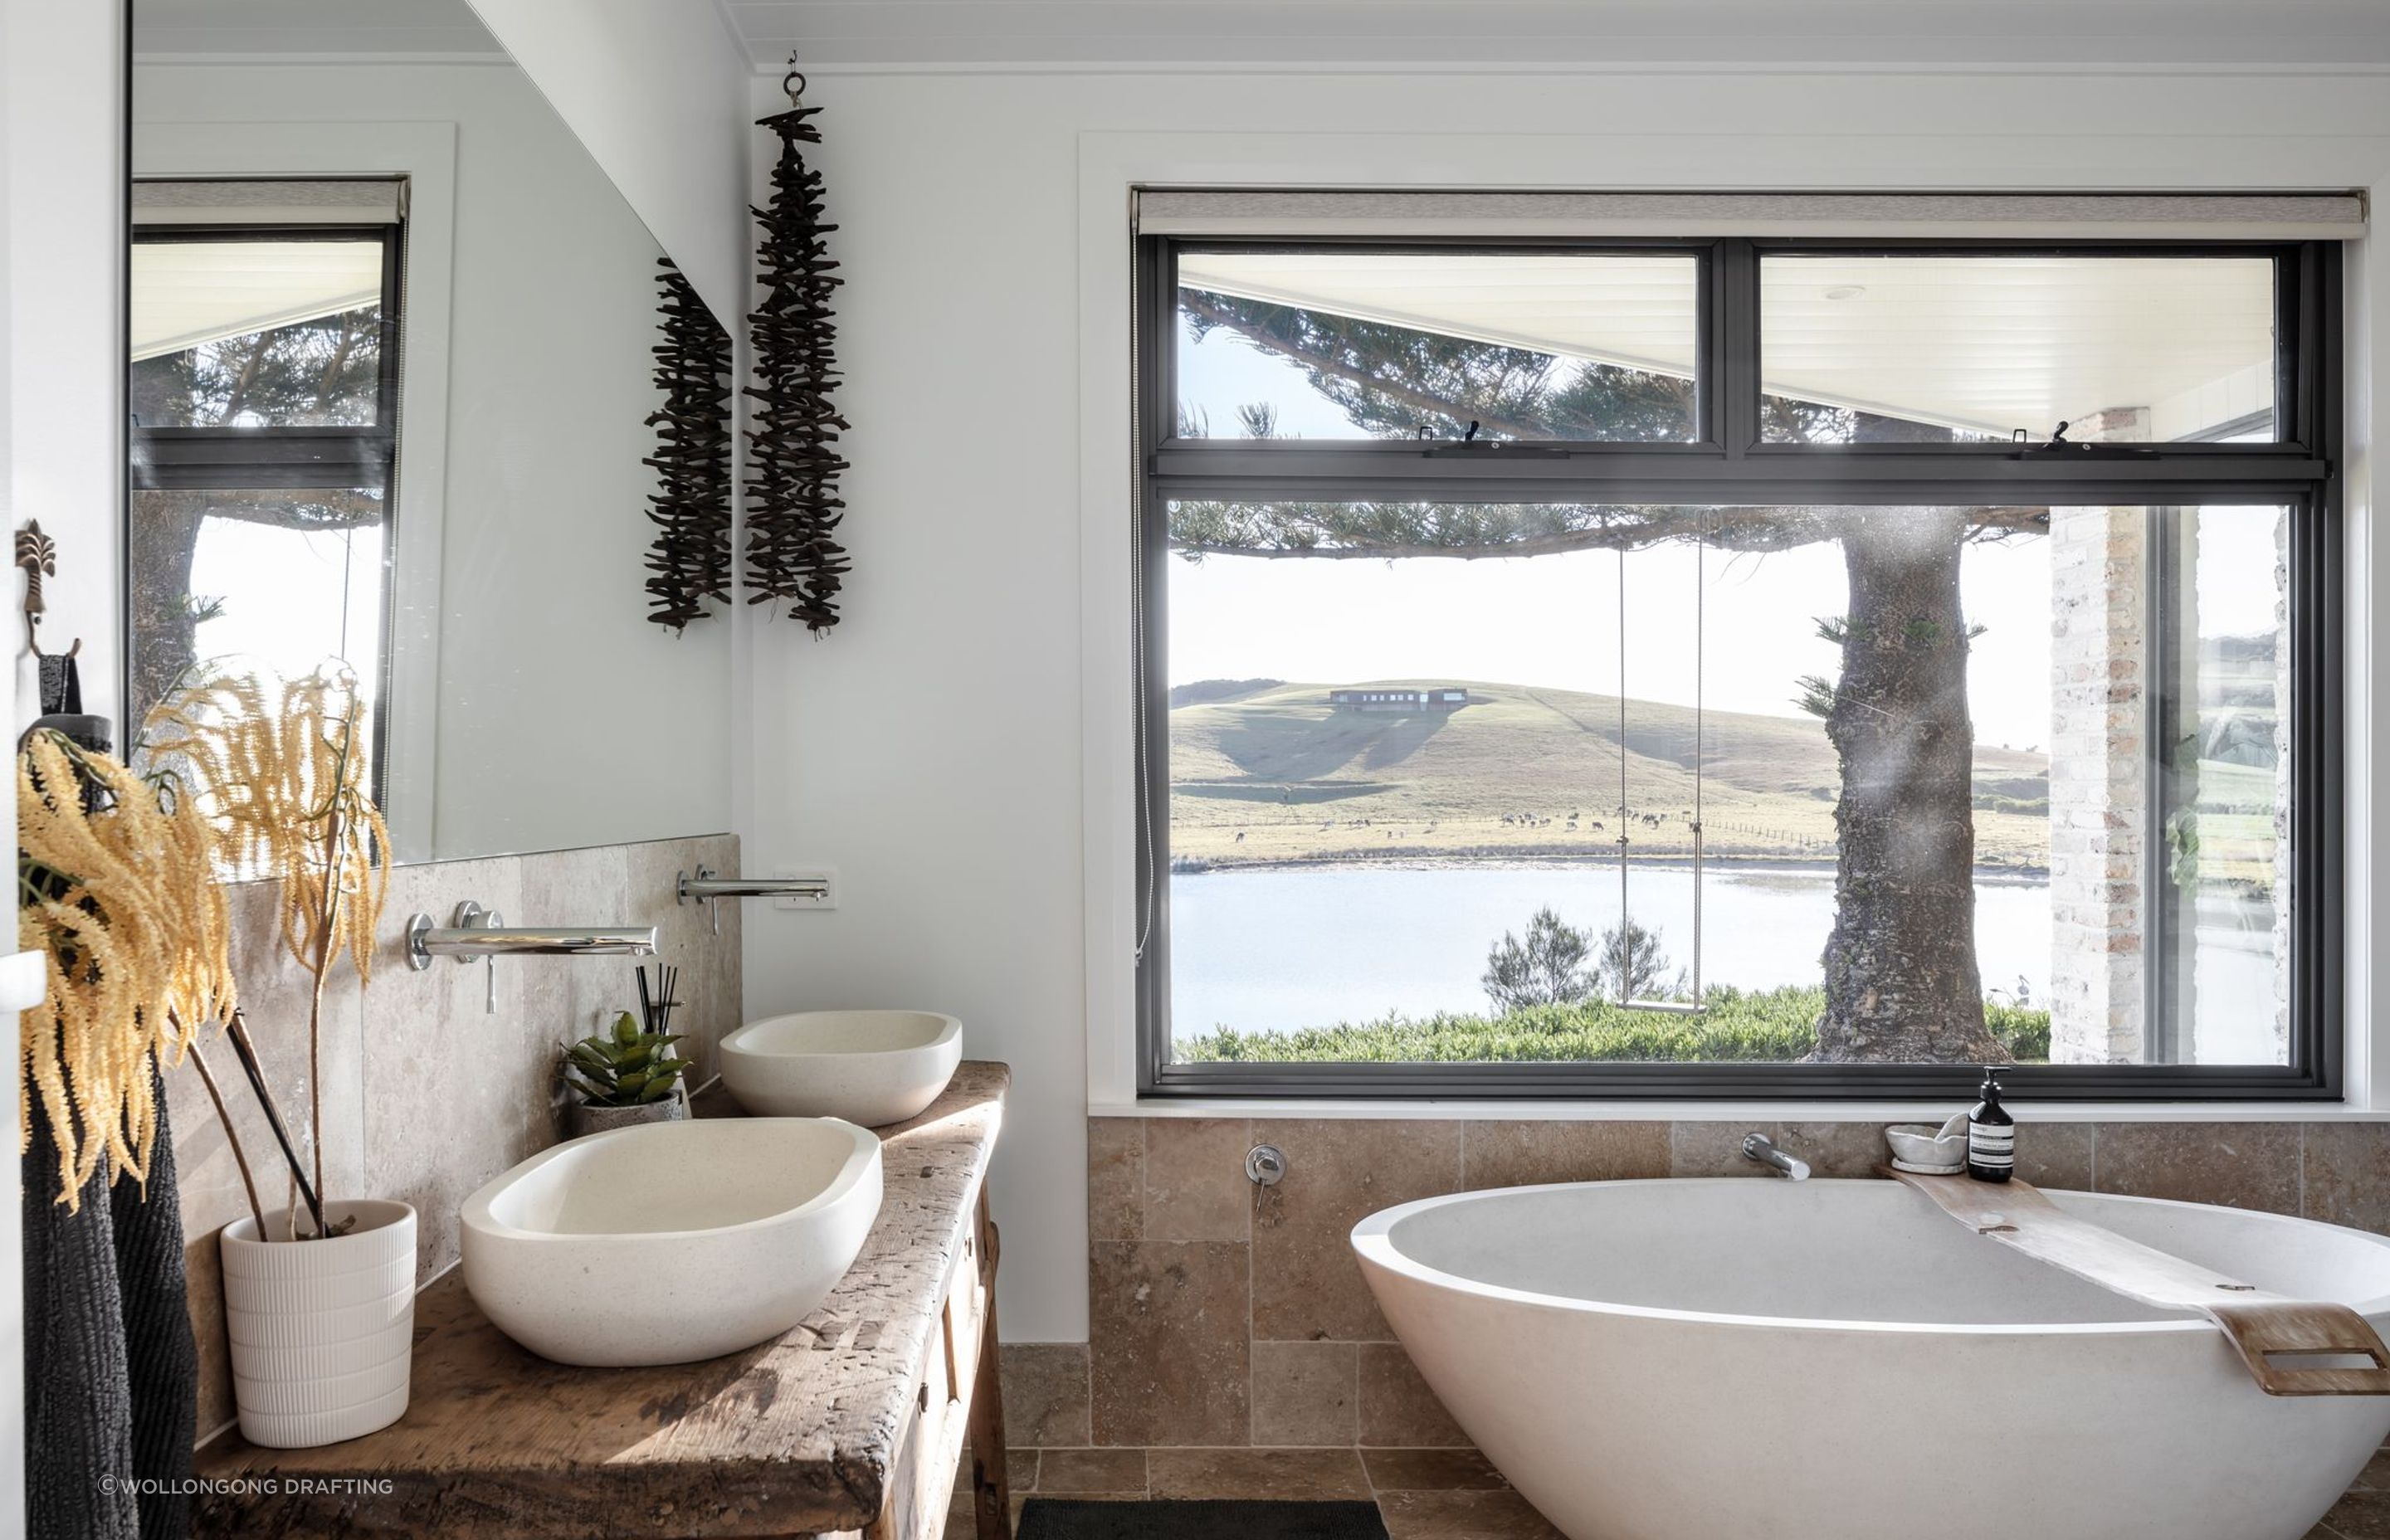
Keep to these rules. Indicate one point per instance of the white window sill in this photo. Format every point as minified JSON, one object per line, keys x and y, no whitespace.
{"x":1728,"y":1111}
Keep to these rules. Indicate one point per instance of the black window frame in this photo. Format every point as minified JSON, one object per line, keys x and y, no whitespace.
{"x":1730,"y":463}
{"x":235,"y":458}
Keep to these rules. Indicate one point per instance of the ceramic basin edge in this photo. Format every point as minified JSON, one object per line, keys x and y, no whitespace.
{"x":870,"y":1067}
{"x":566,"y":1254}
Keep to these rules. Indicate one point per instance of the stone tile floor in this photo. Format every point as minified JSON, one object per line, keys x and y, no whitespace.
{"x":1422,"y":1493}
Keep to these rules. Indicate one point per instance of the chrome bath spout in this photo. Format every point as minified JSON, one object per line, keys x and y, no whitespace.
{"x":1760,"y":1148}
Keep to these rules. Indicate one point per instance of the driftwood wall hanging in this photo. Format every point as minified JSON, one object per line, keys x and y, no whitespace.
{"x":792,"y":503}
{"x":689,"y":562}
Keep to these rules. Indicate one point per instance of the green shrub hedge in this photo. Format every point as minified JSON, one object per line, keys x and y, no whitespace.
{"x":1749,"y":1026}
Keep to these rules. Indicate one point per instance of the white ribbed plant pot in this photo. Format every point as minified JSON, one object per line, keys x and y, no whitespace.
{"x":323,"y":1331}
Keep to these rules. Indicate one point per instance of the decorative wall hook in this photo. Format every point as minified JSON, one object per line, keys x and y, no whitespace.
{"x":37,"y":553}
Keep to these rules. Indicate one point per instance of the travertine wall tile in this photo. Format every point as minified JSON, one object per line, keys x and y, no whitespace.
{"x":1518,"y":1154}
{"x":2058,"y":1155}
{"x":2346,"y":1168}
{"x":455,"y":1092}
{"x":1116,"y":1179}
{"x":1169,"y":1343}
{"x":2244,"y":1165}
{"x":1044,"y":1394}
{"x":1195,"y":1183}
{"x":1306,"y":1393}
{"x":1306,"y":1284}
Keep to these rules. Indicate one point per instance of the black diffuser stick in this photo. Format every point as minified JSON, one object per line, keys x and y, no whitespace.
{"x":247,"y":1052}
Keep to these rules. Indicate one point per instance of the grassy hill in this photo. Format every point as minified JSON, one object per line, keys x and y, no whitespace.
{"x":1265,"y":772}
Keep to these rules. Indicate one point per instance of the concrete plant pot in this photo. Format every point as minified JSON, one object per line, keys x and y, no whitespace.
{"x":582,"y":1119}
{"x":323,"y":1331}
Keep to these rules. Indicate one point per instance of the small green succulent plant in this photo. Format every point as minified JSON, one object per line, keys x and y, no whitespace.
{"x":626,"y":1067}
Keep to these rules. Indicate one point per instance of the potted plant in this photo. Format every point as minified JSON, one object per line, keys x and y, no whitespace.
{"x":624,"y":1077}
{"x":319,"y":1294}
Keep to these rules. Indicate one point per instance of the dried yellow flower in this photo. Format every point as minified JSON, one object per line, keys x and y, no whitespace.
{"x":116,"y":888}
{"x":120,"y":887}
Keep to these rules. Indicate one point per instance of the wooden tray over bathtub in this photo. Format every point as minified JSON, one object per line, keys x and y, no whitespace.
{"x":2259,"y":1325}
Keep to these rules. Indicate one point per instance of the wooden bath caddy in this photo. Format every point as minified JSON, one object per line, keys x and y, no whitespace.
{"x":2259,"y":1325}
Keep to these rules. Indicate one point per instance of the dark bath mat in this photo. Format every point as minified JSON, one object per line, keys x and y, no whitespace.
{"x":1064,"y":1519}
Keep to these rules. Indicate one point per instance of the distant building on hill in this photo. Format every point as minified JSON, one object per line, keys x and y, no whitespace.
{"x":1380,"y":698}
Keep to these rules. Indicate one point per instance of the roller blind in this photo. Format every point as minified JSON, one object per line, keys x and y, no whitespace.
{"x":362,"y":200}
{"x":2104,"y":216}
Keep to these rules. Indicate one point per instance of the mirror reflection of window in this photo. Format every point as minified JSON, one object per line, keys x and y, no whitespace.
{"x":264,"y":388}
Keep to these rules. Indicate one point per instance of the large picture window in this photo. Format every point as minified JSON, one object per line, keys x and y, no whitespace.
{"x":1738,"y":667}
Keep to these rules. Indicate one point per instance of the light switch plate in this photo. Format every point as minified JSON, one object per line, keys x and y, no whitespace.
{"x":815,"y":871}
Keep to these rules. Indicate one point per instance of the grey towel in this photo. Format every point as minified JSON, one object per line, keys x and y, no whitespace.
{"x":111,"y":1374}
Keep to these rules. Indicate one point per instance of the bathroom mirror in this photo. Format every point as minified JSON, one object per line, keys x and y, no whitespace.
{"x":390,"y":337}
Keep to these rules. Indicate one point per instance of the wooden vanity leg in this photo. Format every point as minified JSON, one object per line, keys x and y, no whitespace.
{"x":991,"y":1492}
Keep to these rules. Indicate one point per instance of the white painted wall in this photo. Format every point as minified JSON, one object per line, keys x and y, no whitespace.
{"x":653,"y":88}
{"x":959,"y":746}
{"x":564,"y":717}
{"x":61,"y":245}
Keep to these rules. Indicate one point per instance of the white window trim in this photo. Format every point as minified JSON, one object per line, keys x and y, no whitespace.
{"x":425,"y":153}
{"x":1112,"y":164}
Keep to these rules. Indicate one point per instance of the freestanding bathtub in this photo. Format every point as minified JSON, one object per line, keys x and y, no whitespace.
{"x":1737,"y":1359}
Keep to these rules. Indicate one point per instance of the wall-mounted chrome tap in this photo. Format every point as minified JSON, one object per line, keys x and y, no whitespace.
{"x":476,"y":933}
{"x":708,"y":889}
{"x":1760,"y":1148}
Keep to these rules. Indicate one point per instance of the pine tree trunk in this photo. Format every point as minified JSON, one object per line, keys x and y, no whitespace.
{"x":1901,"y":980}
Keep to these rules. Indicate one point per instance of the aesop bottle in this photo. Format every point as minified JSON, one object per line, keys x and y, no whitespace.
{"x":1991,"y":1134}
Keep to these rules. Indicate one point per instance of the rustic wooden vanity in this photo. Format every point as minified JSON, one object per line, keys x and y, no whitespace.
{"x":851,"y":1425}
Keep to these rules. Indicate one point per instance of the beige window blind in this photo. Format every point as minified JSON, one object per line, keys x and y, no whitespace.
{"x":359,"y":200}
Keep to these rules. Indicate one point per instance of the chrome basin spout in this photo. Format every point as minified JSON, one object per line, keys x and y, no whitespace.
{"x":482,"y":935}
{"x":1760,"y":1148}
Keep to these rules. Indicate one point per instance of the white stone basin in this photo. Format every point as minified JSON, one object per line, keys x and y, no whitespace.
{"x":669,"y":1243}
{"x":872,"y":1067}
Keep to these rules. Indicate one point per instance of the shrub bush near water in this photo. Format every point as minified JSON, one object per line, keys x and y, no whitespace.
{"x":1736,"y":1026}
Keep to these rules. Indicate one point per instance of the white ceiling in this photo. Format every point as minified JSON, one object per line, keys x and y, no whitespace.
{"x":1295,"y":32}
{"x":1566,"y":32}
{"x":163,"y":29}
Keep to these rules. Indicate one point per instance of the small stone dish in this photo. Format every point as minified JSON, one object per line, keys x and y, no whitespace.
{"x":1927,"y":1150}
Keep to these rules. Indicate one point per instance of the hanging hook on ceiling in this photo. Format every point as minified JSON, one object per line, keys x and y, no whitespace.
{"x":793,"y":83}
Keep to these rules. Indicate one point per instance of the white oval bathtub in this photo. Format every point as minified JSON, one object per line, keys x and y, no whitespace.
{"x":1733,"y":1359}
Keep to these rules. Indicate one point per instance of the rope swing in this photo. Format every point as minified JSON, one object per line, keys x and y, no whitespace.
{"x":1626,"y":912}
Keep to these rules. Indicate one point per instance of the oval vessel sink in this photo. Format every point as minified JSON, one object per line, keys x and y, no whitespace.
{"x":872,"y":1067}
{"x":670,"y":1242}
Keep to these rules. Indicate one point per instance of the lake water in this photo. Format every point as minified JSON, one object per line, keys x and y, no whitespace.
{"x":1278,"y":948}
{"x":1287,"y":947}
